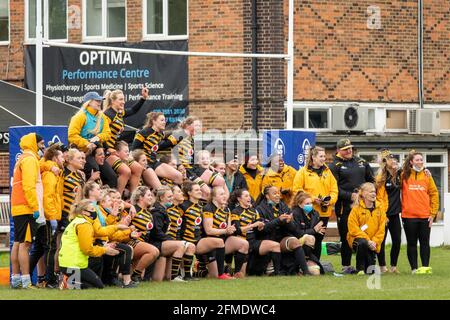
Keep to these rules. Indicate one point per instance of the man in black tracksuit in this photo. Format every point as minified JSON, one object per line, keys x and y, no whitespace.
{"x":350,"y":173}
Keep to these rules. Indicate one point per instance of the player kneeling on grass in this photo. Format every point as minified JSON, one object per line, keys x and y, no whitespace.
{"x":77,"y":246}
{"x":217,"y":223}
{"x":171,"y":249}
{"x":277,"y":227}
{"x":366,"y":227}
{"x":210,"y":251}
{"x":307,"y":228}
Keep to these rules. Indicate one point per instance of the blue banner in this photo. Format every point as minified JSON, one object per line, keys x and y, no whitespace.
{"x":291,"y":144}
{"x":49,"y":133}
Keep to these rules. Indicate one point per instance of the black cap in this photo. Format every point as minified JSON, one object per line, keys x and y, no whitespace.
{"x":344,"y":144}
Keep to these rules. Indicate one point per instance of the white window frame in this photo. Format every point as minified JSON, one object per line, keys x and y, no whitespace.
{"x":45,"y":22}
{"x":103,"y":37}
{"x":404,"y":153}
{"x":314,"y":107}
{"x":165,"y":35}
{"x":2,"y":43}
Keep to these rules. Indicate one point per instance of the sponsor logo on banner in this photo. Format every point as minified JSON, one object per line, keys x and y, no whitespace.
{"x":18,"y":156}
{"x":56,"y":139}
{"x":306,"y":145}
{"x":279,"y":147}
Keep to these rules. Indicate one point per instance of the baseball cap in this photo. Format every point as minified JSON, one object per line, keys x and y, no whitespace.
{"x":92,"y":95}
{"x":386,"y":154}
{"x":344,"y":144}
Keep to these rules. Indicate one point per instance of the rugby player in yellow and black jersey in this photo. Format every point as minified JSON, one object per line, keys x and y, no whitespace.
{"x":217,"y":223}
{"x":191,"y":231}
{"x":177,"y":251}
{"x":152,"y":139}
{"x":144,"y":253}
{"x":248,"y":222}
{"x":115,"y":112}
{"x":73,"y":185}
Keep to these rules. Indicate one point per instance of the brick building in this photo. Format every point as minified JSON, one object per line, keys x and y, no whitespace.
{"x":361,"y":53}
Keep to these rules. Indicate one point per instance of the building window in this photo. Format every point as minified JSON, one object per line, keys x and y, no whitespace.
{"x":396,"y":119}
{"x":436,"y":162}
{"x":165,"y":19}
{"x":4,"y":21}
{"x":316,"y":118}
{"x":54,"y":19}
{"x":104,"y":20}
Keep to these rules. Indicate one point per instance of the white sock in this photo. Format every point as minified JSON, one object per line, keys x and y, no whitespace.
{"x":26,"y":280}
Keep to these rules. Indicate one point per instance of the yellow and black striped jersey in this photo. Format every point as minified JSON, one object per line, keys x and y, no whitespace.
{"x":143,"y":221}
{"x":241,"y":217}
{"x":73,"y":185}
{"x":167,"y":182}
{"x":191,"y":226}
{"x":152,"y":141}
{"x":174,"y":213}
{"x":186,"y":152}
{"x":116,"y":124}
{"x":220,"y":217}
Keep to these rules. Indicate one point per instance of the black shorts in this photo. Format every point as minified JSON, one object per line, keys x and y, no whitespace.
{"x":158,"y":245}
{"x":155,"y":164}
{"x":25,"y":228}
{"x":254,"y":246}
{"x":198,"y":170}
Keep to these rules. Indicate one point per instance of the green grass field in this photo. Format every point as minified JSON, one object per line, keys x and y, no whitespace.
{"x":404,"y":286}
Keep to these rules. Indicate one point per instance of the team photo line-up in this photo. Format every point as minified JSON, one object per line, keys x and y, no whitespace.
{"x":94,"y":214}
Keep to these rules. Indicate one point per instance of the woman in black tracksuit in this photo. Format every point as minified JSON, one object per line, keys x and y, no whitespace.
{"x":308,"y":228}
{"x":276,"y":216}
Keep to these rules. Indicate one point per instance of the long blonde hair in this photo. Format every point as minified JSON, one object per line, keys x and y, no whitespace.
{"x":110,"y":96}
{"x":362,"y":188}
{"x":99,"y":117}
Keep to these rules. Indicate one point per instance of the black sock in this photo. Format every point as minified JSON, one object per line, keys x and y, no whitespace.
{"x":137,"y":273}
{"x":220,"y":258}
{"x":300,"y":260}
{"x":240,"y":259}
{"x":41,"y":278}
{"x":187,"y":262}
{"x":276,"y":259}
{"x":175,"y":267}
{"x":202,"y":271}
{"x":229,"y":263}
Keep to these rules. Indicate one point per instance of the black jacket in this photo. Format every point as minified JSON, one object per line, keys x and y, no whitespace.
{"x":274,"y":228}
{"x":303,"y":224}
{"x":350,"y":175}
{"x":161,"y":223}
